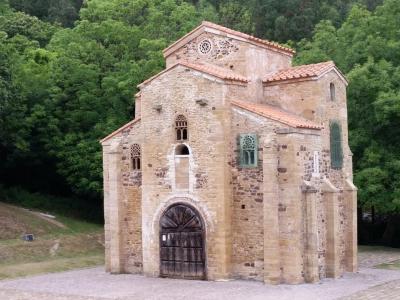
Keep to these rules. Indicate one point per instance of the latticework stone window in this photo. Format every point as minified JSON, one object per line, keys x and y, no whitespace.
{"x":248,"y":150}
{"x":336,"y":145}
{"x":181,"y":128}
{"x":135,"y":157}
{"x":205,"y":47}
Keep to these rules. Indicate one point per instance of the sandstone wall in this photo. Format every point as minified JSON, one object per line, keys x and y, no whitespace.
{"x":209,"y":176}
{"x":128,"y":203}
{"x":247,"y":210}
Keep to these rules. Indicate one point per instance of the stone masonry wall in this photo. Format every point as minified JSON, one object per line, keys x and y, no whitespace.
{"x":209,"y":191}
{"x":130,"y":215}
{"x":247,"y":214}
{"x":239,"y":56}
{"x":311,"y":99}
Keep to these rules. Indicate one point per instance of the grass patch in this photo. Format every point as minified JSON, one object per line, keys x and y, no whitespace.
{"x":50,"y":266}
{"x":394,"y":265}
{"x":60,"y":244}
{"x":365,"y":248}
{"x":88,"y":209}
{"x":16,"y":221}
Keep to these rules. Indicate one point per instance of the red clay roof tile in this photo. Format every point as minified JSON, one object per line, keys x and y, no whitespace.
{"x":300,"y":72}
{"x":213,"y":70}
{"x":277,"y":114}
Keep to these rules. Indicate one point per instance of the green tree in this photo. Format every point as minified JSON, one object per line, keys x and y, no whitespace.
{"x":367,"y":48}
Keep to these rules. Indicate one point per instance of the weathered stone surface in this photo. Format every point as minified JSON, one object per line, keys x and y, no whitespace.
{"x":290,"y":219}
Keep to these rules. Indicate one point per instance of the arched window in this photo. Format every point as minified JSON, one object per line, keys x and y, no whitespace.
{"x":181,"y":128}
{"x":182,"y":150}
{"x":332,"y":91}
{"x":135,"y":156}
{"x":336,"y":145}
{"x":248,"y":150}
{"x":182,"y":166}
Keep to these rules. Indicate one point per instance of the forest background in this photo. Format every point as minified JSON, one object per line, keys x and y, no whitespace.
{"x":69,"y":70}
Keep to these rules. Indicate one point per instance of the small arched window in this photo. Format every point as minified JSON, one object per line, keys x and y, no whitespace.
{"x":181,"y":128}
{"x":182,"y":150}
{"x":332,"y":91}
{"x":135,"y":157}
{"x":336,"y":145}
{"x":248,"y":150}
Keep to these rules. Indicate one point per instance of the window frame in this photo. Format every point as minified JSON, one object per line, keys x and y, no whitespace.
{"x":181,"y":130}
{"x":336,"y":145}
{"x":332,"y":92}
{"x":136,"y":157}
{"x":247,"y":152}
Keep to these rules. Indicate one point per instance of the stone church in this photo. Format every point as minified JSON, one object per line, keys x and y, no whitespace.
{"x":236,"y":165}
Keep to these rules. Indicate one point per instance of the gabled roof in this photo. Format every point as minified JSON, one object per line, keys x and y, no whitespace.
{"x":126,"y":126}
{"x":277,"y":114}
{"x":218,"y":29}
{"x":209,"y":69}
{"x":312,"y":71}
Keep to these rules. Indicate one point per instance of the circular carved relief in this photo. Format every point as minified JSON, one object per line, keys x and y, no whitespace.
{"x":205,"y":47}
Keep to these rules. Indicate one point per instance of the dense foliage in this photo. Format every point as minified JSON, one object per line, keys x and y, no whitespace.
{"x":367,"y":48}
{"x":69,"y":69}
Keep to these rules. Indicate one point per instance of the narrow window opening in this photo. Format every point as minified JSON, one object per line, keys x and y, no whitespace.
{"x":181,"y":128}
{"x":332,"y":91}
{"x":135,"y":156}
{"x":336,"y":145}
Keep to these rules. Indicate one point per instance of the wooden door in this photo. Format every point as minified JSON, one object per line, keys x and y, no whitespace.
{"x":182,"y":243}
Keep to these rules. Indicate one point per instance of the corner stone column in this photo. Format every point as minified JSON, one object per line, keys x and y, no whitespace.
{"x":112,"y":206}
{"x":271,"y":223}
{"x":350,"y":203}
{"x":311,"y":233}
{"x":330,"y":196}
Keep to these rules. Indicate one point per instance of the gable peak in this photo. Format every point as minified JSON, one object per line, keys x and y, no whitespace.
{"x":207,"y":26}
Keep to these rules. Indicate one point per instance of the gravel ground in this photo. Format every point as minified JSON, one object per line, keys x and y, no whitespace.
{"x":95,"y":284}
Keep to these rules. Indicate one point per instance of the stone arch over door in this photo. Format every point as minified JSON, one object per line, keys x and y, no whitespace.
{"x":182,"y":243}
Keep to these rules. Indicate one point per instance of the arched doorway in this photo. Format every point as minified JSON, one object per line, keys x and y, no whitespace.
{"x":182,"y":243}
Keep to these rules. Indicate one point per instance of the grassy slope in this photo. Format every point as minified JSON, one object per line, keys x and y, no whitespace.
{"x":57,"y":247}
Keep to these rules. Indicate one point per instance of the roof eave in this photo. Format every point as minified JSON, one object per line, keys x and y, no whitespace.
{"x":312,"y":127}
{"x":180,"y":63}
{"x":115,"y":132}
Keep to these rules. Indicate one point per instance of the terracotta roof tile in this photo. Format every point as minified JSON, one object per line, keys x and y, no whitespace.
{"x":277,"y":114}
{"x":300,"y":72}
{"x":242,"y":35}
{"x":127,"y":125}
{"x":213,"y":70}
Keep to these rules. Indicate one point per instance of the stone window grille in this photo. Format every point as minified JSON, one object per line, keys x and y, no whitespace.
{"x":332,"y":91}
{"x":181,"y":128}
{"x":135,"y":157}
{"x":248,"y":150}
{"x":205,"y":47}
{"x":336,"y":145}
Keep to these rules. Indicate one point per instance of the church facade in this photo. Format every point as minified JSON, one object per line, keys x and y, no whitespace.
{"x":236,"y":165}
